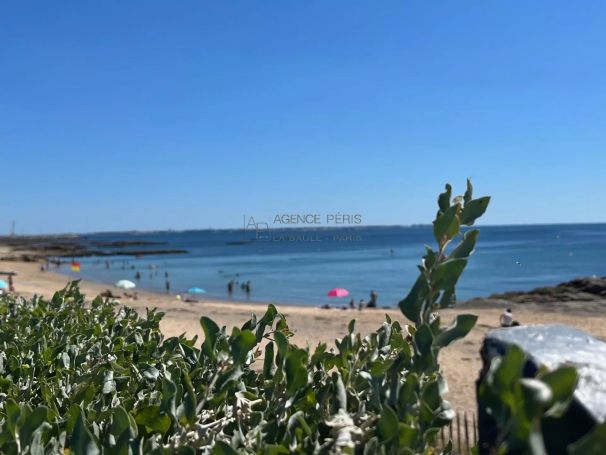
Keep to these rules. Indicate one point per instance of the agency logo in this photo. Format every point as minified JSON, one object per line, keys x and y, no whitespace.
{"x":308,"y":227}
{"x":259,"y":229}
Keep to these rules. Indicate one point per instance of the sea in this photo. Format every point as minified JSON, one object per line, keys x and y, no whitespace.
{"x":299,"y":266}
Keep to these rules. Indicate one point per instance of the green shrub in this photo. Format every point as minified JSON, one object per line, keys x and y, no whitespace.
{"x":99,"y":378}
{"x":518,"y":404}
{"x":525,"y":409}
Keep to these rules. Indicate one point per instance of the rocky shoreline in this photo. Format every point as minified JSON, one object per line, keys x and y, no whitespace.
{"x":56,"y":247}
{"x":587,"y":295}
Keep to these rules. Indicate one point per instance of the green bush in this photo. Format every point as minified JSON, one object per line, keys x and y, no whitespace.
{"x":98,"y":378}
{"x":525,"y":409}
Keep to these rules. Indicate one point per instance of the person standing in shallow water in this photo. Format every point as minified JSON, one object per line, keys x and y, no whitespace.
{"x":372,"y":303}
{"x":247,"y":289}
{"x":230,"y":288}
{"x":167,"y":285}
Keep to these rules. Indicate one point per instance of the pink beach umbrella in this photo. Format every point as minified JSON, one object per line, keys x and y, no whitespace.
{"x":338,"y":292}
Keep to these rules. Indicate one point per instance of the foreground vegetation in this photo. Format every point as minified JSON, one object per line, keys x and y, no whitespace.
{"x":98,"y":378}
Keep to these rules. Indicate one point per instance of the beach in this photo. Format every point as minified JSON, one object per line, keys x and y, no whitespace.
{"x":312,"y":325}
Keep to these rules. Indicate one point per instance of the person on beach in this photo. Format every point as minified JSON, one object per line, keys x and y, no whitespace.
{"x":137,"y":276}
{"x":11,"y":287}
{"x":506,"y":319}
{"x":247,"y":289}
{"x":230,"y":288}
{"x":167,"y":286}
{"x":352,"y":304}
{"x":372,"y":303}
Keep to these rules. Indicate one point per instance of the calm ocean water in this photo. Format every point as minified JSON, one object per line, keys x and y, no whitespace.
{"x":301,"y":266}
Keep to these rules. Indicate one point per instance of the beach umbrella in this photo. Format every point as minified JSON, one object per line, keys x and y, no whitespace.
{"x":125,"y":284}
{"x":338,"y":292}
{"x":3,"y":284}
{"x":196,"y":291}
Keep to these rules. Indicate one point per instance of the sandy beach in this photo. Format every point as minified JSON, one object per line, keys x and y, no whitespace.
{"x":311,"y":325}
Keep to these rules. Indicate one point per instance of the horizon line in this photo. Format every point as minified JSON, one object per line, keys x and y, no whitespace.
{"x":302,"y":227}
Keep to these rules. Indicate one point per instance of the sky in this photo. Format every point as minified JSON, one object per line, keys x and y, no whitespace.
{"x":145,"y":115}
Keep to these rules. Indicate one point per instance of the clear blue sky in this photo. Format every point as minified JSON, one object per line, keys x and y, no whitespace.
{"x":154,"y":114}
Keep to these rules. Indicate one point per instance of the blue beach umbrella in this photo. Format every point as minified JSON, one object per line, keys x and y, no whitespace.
{"x":3,"y":284}
{"x":196,"y":291}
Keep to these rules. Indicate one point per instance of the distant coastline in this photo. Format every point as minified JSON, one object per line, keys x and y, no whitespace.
{"x":58,"y":247}
{"x":137,"y":232}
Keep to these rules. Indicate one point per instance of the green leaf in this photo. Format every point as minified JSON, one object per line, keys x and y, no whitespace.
{"x":562,"y":383}
{"x":446,"y":274}
{"x":169,"y":391}
{"x":465,"y":248}
{"x":459,"y":328}
{"x":33,"y":422}
{"x":37,"y":443}
{"x":430,"y":258}
{"x":407,"y":435}
{"x":120,"y":421}
{"x":274,"y":449}
{"x":241,"y":345}
{"x":387,"y":426}
{"x":65,"y":359}
{"x":151,"y":373}
{"x":341,"y":393}
{"x":189,"y":399}
{"x":444,"y":199}
{"x":468,"y":193}
{"x":446,"y":225}
{"x":185,"y":450}
{"x":12,"y":415}
{"x":590,"y":444}
{"x":109,"y":385}
{"x":151,"y":418}
{"x":281,"y":343}
{"x":211,"y":331}
{"x":430,"y":435}
{"x":268,"y":361}
{"x":431,"y":395}
{"x":82,"y":441}
{"x":412,"y":305}
{"x":537,"y":396}
{"x":296,"y":373}
{"x":406,"y":393}
{"x":423,"y":343}
{"x":510,"y":369}
{"x":380,"y":366}
{"x":222,"y":448}
{"x":473,"y":210}
{"x":267,"y":319}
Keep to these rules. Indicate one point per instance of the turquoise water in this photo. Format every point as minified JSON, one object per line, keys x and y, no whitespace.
{"x":300,"y":266}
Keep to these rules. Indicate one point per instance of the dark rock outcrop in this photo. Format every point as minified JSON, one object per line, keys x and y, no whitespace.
{"x":580,"y":289}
